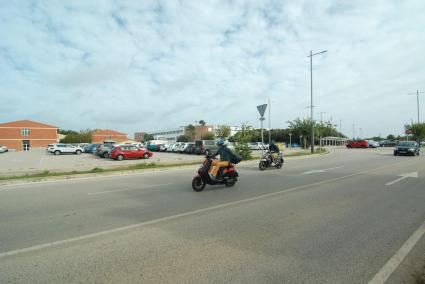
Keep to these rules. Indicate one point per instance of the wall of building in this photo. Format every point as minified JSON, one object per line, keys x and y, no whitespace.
{"x":96,"y":139}
{"x":12,"y":137}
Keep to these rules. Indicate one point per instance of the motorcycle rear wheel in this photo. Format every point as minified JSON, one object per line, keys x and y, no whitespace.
{"x":230,"y":182}
{"x":198,"y":184}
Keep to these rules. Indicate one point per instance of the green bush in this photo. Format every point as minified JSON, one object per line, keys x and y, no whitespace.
{"x":243,"y":150}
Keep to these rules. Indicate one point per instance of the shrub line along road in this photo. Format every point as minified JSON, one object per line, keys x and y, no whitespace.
{"x":325,"y":219}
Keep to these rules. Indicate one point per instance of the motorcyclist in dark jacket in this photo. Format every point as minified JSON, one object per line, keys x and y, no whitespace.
{"x":274,"y":151}
{"x":225,"y":157}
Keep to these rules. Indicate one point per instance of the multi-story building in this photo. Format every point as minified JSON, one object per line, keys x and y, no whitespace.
{"x":22,"y":135}
{"x":170,"y":135}
{"x":101,"y":135}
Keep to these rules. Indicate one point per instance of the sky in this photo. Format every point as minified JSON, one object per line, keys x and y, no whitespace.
{"x":152,"y":65}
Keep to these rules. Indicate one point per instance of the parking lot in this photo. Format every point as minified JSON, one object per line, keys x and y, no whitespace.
{"x":39,"y":160}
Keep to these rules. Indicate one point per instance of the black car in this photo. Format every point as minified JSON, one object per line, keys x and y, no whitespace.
{"x":407,"y":148}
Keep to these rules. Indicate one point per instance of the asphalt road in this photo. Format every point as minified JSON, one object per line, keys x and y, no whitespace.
{"x":336,"y":218}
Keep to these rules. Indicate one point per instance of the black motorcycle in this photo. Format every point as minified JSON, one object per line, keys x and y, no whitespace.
{"x":267,"y":161}
{"x":227,"y":176}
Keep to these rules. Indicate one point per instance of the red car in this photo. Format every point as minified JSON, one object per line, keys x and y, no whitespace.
{"x":129,"y":152}
{"x":358,"y":144}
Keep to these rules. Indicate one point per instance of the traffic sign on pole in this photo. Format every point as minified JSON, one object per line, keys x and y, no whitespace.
{"x":262,"y":109}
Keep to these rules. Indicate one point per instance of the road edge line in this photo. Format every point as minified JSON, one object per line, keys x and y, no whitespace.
{"x":394,"y":262}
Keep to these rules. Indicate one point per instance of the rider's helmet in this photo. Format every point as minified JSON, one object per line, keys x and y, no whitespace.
{"x":220,"y":142}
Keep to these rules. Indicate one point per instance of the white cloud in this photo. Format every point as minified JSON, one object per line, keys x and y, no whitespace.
{"x":159,"y":64}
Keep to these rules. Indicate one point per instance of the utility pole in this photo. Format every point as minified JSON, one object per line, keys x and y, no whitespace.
{"x":354,"y":131}
{"x":321,"y":116}
{"x":311,"y":96}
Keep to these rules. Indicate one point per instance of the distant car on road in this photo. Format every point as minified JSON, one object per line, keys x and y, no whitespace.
{"x":407,"y":148}
{"x":60,"y":148}
{"x":358,"y":144}
{"x":129,"y":152}
{"x":3,"y":149}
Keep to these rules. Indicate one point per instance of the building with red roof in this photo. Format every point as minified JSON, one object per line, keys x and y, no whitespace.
{"x":101,"y":135}
{"x":22,"y":135}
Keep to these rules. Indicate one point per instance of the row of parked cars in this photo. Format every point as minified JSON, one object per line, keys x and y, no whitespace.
{"x":197,"y":147}
{"x":105,"y":150}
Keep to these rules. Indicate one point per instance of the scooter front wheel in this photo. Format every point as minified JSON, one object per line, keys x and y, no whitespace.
{"x":262,"y":165}
{"x":198,"y":184}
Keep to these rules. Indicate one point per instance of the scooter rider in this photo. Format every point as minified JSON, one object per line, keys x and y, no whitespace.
{"x":225,"y":156}
{"x":274,"y":151}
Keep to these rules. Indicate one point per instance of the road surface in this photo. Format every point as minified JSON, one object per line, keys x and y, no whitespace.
{"x":336,"y":218}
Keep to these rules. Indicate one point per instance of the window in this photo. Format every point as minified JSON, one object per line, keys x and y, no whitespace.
{"x":25,"y":131}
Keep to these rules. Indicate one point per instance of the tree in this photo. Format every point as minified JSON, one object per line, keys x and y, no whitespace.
{"x":417,"y":129}
{"x":241,"y":147}
{"x":202,"y":122}
{"x":183,"y":138}
{"x":84,"y":136}
{"x":148,"y":137}
{"x":390,"y":137}
{"x":223,"y":131}
{"x":208,"y":136}
{"x":190,"y":132}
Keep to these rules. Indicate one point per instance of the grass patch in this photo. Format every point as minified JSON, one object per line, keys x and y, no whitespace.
{"x":95,"y":170}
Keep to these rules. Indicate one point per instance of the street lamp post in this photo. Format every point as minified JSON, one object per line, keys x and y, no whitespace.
{"x":311,"y":96}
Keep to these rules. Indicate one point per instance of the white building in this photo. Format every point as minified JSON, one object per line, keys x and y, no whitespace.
{"x":169,"y":135}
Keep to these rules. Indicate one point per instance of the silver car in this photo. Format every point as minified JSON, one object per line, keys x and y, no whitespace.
{"x":3,"y":149}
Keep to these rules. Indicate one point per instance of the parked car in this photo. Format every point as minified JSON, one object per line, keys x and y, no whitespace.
{"x":205,"y":146}
{"x":257,"y":146}
{"x":3,"y":149}
{"x":188,"y":148}
{"x":129,"y":152}
{"x":170,"y":147}
{"x":358,"y":144}
{"x":407,"y":148}
{"x":49,"y":147}
{"x":103,"y":150}
{"x":177,"y":146}
{"x":164,"y":147}
{"x":373,"y":144}
{"x":387,"y":143}
{"x":91,"y":148}
{"x":61,"y":148}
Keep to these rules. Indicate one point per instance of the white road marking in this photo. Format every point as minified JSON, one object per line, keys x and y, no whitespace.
{"x":127,"y":189}
{"x":402,"y":177}
{"x":398,"y":258}
{"x":320,"y":171}
{"x":186,"y":214}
